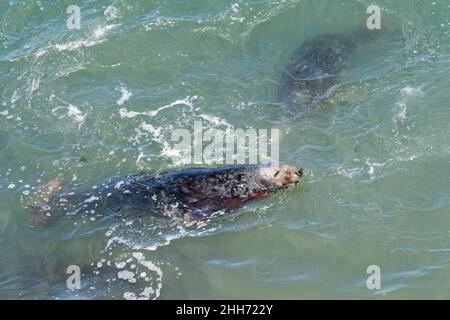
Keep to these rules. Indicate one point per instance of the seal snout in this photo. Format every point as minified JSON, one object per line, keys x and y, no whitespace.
{"x":282,"y":177}
{"x":292,"y":176}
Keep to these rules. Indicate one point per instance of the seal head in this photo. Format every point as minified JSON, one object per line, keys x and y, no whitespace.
{"x":280,"y":177}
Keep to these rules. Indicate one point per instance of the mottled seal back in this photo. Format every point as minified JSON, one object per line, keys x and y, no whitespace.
{"x":191,"y":194}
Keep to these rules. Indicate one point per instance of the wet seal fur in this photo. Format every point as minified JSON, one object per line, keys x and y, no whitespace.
{"x":191,"y":194}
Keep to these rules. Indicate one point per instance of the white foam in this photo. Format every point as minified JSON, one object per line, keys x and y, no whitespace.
{"x":215,"y":120}
{"x":126,"y":275}
{"x":115,"y":240}
{"x":165,"y":241}
{"x":129,"y":296}
{"x":409,"y":91}
{"x":159,"y":22}
{"x":235,"y":8}
{"x":119,"y":184}
{"x":124,"y":113}
{"x":154,"y":132}
{"x":35,"y":84}
{"x":75,"y":113}
{"x":401,"y":111}
{"x":73,"y":45}
{"x":111,"y":13}
{"x":91,"y":199}
{"x":125,"y":96}
{"x":151,"y":267}
{"x":14,"y":97}
{"x":173,"y":153}
{"x":96,"y":37}
{"x":401,"y":106}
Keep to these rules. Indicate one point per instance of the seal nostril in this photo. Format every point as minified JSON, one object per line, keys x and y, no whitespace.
{"x":300,"y":172}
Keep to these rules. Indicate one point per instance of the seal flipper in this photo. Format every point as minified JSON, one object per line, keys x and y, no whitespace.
{"x":39,"y":218}
{"x":202,"y":209}
{"x":39,"y":204}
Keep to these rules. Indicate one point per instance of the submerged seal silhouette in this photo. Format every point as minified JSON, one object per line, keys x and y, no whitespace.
{"x":314,"y":68}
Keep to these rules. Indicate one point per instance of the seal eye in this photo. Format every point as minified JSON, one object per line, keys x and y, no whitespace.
{"x":276,"y":173}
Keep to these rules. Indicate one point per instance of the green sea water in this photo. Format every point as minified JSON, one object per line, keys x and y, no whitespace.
{"x":102,"y":101}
